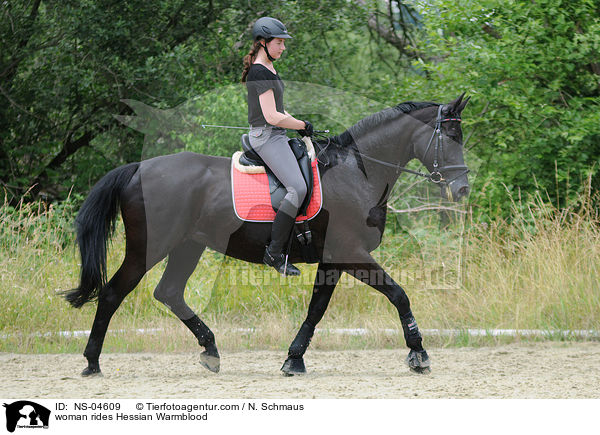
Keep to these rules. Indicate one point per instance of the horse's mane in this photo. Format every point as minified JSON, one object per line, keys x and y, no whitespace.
{"x":345,"y":143}
{"x":347,"y":138}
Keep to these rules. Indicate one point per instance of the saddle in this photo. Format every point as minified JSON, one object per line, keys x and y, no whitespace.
{"x":276,"y":188}
{"x":257,"y":193}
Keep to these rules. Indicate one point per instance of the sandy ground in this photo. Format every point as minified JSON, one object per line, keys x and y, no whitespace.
{"x":540,"y":370}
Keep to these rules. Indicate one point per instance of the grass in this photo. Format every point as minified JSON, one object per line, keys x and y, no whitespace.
{"x":538,"y":271}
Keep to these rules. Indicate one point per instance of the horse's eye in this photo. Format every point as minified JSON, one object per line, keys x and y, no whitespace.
{"x":453,"y":133}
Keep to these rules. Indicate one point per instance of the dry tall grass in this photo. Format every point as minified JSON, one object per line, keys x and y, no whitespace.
{"x":540,"y":270}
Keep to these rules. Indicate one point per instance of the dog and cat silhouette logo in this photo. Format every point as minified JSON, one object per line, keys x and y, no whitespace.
{"x":26,"y":414}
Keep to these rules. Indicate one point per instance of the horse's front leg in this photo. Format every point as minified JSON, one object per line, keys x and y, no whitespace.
{"x":372,"y":273}
{"x":326,"y":279}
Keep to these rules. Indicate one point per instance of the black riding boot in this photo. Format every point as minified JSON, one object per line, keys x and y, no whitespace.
{"x":280,"y":234}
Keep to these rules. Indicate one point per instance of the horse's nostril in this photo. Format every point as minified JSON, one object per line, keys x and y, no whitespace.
{"x":463,"y":191}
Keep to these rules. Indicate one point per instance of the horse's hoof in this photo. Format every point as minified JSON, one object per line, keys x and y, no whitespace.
{"x":211,"y":361}
{"x":91,"y":371}
{"x":293,"y":366}
{"x":418,"y":362}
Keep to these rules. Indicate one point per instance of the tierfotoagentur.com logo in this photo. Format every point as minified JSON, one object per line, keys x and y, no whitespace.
{"x":26,"y":415}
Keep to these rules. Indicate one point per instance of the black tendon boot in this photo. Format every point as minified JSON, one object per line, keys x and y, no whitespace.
{"x":412,"y":335}
{"x":210,"y":358}
{"x":280,"y":234}
{"x":417,"y":359}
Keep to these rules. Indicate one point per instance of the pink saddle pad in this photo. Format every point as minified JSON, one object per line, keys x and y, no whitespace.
{"x":252,"y":200}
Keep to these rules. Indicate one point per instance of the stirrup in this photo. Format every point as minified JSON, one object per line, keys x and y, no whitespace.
{"x":280,"y":263}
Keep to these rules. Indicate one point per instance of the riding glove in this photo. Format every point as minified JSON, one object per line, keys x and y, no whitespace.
{"x":307,"y":130}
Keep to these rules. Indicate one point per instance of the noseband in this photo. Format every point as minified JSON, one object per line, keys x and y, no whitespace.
{"x":436,"y":175}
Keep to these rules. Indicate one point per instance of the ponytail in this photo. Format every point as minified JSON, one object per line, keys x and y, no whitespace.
{"x":249,"y":58}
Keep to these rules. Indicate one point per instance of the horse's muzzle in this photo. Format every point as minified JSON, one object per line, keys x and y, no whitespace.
{"x":456,"y":191}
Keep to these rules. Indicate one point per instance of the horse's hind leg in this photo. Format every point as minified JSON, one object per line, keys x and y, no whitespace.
{"x":170,"y":291}
{"x":123,"y":281}
{"x":112,"y":294}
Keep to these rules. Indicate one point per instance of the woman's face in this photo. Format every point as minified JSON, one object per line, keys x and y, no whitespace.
{"x":276,"y":47}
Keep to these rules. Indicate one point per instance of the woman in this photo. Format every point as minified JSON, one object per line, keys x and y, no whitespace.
{"x":268,"y":121}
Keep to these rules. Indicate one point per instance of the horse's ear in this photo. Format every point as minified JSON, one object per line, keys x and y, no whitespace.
{"x":456,"y":103}
{"x":462,"y":105}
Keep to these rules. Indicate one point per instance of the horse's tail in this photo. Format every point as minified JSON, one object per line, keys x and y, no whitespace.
{"x":95,"y":224}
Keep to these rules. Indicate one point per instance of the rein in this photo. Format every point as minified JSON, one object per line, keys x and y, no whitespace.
{"x":435,"y":176}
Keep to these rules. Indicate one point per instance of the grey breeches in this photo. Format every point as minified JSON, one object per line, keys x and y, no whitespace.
{"x":271,"y":144}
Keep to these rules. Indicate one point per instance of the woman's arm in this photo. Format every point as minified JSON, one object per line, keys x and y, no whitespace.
{"x":273,"y":117}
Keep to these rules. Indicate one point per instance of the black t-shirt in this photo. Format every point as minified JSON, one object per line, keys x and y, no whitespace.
{"x":259,"y":80}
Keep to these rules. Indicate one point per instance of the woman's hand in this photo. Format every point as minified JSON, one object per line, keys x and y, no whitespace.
{"x":307,"y":130}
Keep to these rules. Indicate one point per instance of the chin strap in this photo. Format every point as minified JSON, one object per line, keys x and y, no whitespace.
{"x":267,"y":51}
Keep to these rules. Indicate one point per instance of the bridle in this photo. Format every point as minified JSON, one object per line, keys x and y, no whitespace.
{"x":436,"y":175}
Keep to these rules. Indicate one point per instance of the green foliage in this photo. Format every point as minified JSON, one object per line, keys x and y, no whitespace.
{"x":533,"y":71}
{"x":65,"y":67}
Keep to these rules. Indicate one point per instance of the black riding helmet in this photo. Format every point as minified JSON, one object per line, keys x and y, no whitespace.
{"x":268,"y":28}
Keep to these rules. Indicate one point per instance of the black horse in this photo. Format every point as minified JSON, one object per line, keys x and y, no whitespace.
{"x":177,"y":205}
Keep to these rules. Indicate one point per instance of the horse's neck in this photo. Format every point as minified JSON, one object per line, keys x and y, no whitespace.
{"x":389,"y":144}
